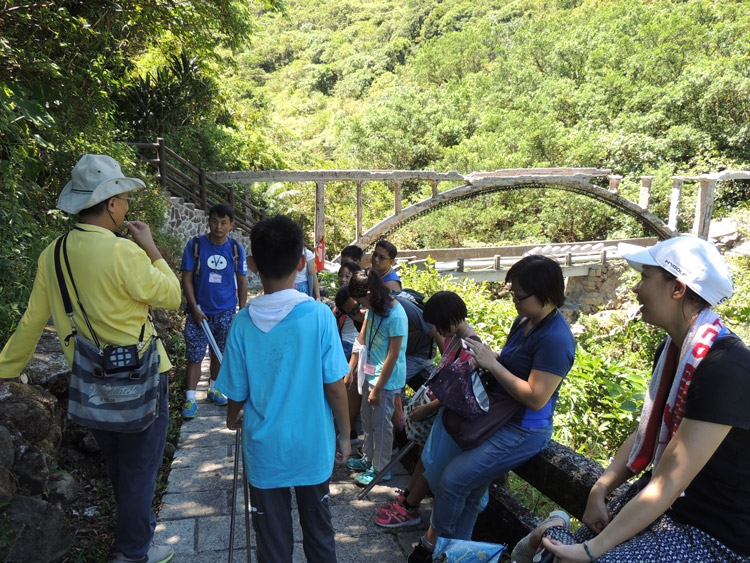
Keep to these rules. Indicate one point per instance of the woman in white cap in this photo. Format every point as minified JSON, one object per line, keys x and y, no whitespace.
{"x":694,"y":432}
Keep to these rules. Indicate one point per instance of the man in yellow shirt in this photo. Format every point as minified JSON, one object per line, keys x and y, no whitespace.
{"x":117,"y":281}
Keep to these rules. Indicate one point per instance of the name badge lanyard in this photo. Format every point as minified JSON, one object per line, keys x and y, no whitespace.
{"x":366,"y":367}
{"x":374,"y":334}
{"x":214,"y":276}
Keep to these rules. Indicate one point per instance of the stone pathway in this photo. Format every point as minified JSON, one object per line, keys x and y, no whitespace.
{"x":196,"y":511}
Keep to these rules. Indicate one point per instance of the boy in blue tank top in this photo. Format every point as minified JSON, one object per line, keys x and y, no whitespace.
{"x":382,"y":260}
{"x":284,"y":363}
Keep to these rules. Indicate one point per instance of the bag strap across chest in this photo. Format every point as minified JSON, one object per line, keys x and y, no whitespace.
{"x":61,"y":249}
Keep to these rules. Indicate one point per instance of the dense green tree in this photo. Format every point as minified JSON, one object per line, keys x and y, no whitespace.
{"x":644,"y":88}
{"x":63,"y":67}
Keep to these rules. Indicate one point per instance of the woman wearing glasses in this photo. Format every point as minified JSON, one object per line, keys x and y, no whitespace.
{"x":536,"y":357}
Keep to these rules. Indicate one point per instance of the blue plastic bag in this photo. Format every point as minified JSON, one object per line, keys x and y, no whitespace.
{"x":465,"y":551}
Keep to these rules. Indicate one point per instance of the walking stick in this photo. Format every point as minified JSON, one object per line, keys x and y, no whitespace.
{"x":237,"y":445}
{"x":409,"y":445}
{"x":247,"y":507}
{"x":212,"y":340}
{"x":237,"y":450}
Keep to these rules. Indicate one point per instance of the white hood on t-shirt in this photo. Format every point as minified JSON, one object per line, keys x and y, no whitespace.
{"x":266,"y":311}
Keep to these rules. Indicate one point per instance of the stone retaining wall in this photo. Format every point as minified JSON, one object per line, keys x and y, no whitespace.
{"x":185,"y":220}
{"x":601,"y":289}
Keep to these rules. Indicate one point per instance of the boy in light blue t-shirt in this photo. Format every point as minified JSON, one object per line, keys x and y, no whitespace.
{"x":284,"y":363}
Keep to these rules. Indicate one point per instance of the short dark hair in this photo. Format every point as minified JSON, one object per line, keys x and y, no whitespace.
{"x":369,"y":280}
{"x":389,"y":247}
{"x":276,"y":245}
{"x":352,"y":251}
{"x":342,"y":296}
{"x":351,"y":266}
{"x":540,"y":276}
{"x":444,"y":309}
{"x":221,"y":210}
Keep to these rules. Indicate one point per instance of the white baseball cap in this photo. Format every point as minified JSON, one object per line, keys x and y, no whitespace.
{"x":95,"y":177}
{"x":695,"y":262}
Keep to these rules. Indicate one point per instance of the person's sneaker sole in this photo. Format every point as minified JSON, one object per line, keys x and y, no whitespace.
{"x":405,"y":524}
{"x":120,"y":558}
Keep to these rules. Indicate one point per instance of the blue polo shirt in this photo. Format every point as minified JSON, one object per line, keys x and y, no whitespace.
{"x":549,"y":347}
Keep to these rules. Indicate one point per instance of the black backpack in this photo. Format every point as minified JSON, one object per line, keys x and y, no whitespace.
{"x":417,"y":340}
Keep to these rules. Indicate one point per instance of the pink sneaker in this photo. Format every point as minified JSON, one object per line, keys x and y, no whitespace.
{"x":388,"y":507}
{"x":398,"y":517}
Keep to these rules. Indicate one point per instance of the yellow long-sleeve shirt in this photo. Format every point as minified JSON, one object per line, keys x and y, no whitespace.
{"x":116,"y":283}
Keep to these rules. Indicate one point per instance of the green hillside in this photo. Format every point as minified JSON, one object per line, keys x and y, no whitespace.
{"x":653,"y":88}
{"x":644,"y":88}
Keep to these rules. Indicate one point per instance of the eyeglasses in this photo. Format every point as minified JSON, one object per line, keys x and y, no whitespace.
{"x":379,"y":256}
{"x":518,"y":298}
{"x":125,"y":198}
{"x":353,"y":311}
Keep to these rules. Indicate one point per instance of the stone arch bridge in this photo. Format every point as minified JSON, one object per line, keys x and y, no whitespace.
{"x":576,"y":180}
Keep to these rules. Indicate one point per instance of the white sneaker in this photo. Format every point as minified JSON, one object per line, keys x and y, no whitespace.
{"x":156,"y":554}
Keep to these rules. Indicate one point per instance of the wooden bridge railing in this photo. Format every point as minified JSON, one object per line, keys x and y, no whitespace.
{"x":193,"y":184}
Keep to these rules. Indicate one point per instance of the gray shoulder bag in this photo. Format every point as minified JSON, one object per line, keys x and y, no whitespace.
{"x":110,"y":388}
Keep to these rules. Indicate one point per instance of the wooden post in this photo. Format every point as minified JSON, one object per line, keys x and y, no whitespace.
{"x":397,"y":198}
{"x":161,"y":154}
{"x":568,"y":259}
{"x":231,"y":197}
{"x":320,"y":214}
{"x":460,"y":264}
{"x":202,"y":184}
{"x":498,"y":257}
{"x":704,"y":205}
{"x":434,"y":188}
{"x":645,"y":195}
{"x":674,"y":203}
{"x":359,"y":209}
{"x":614,"y":182}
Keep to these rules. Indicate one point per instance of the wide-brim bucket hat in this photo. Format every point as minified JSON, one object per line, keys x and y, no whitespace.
{"x":95,"y":178}
{"x":692,"y":260}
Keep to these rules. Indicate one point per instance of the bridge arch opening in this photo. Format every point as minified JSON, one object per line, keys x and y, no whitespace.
{"x":470,"y":191}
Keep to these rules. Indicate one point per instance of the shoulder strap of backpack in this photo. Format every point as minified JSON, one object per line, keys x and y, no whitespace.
{"x":235,"y":253}
{"x":196,"y":255}
{"x":340,"y":320}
